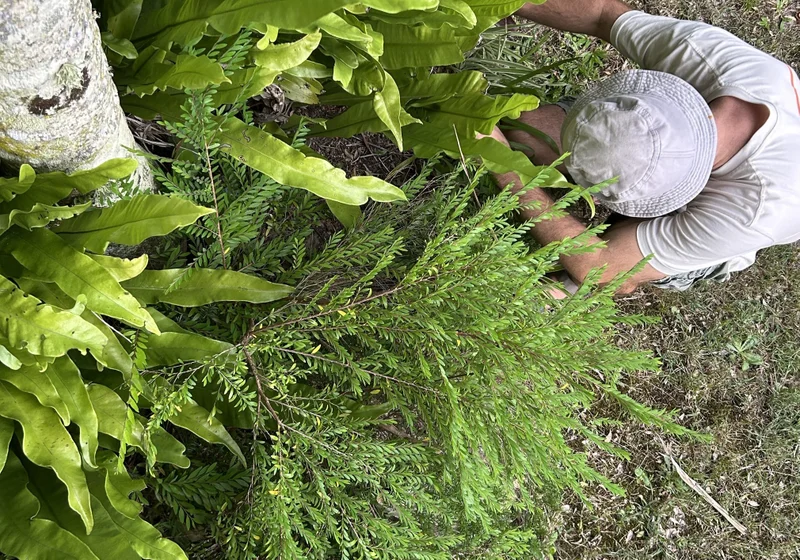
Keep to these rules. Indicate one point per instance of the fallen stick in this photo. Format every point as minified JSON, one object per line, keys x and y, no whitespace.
{"x":703,"y":494}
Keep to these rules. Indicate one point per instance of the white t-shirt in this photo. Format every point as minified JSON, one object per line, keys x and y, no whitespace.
{"x":751,"y":202}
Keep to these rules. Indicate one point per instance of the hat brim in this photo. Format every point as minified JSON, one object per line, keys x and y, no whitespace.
{"x":701,"y":119}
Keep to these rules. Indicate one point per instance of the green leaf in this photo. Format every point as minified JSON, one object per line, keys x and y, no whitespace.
{"x":168,"y":449}
{"x":427,"y":89}
{"x":122,"y":47}
{"x":166,"y":104}
{"x":6,"y":433}
{"x":24,"y":536}
{"x":105,"y":540}
{"x":390,"y":111}
{"x":187,"y":72}
{"x":288,"y":166}
{"x":270,"y":33}
{"x":130,"y":221}
{"x":353,"y":32}
{"x":396,"y":6}
{"x":49,"y":188}
{"x":428,"y":140}
{"x":121,"y":16}
{"x":46,"y":255}
{"x":41,"y":329}
{"x":165,"y":323}
{"x":11,"y":187}
{"x":461,"y":8}
{"x":453,"y":13}
{"x":185,"y":21}
{"x":414,"y":47}
{"x":140,"y":535}
{"x":119,"y":485}
{"x":122,"y":269}
{"x":301,"y":90}
{"x":245,"y":83}
{"x":168,"y":349}
{"x":349,"y":216}
{"x":203,"y":286}
{"x":357,"y":119}
{"x":8,"y":359}
{"x":40,"y":215}
{"x":29,"y":379}
{"x":47,"y":443}
{"x":112,"y":413}
{"x":67,"y":380}
{"x":497,"y":8}
{"x":310,"y":69}
{"x":112,"y":354}
{"x":201,"y":423}
{"x":285,"y":56}
{"x":480,"y":113}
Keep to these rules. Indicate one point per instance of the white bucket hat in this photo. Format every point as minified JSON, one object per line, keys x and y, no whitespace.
{"x":653,"y":131}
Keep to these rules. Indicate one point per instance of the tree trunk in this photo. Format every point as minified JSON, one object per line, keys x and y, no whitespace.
{"x":59,"y":108}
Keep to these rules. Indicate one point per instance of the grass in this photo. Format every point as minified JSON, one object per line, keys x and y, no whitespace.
{"x":730,"y":351}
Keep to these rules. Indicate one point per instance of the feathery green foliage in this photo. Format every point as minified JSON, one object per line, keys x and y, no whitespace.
{"x":414,"y":396}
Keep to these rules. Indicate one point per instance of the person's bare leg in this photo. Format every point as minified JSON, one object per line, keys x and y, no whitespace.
{"x":548,"y":119}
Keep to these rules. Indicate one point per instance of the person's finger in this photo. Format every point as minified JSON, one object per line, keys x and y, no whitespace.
{"x":497,"y":134}
{"x":558,"y":293}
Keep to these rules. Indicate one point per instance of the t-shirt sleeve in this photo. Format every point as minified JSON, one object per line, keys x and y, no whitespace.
{"x":707,"y":57}
{"x":710,"y":232}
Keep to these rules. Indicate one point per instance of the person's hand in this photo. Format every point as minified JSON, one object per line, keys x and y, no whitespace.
{"x":497,"y":134}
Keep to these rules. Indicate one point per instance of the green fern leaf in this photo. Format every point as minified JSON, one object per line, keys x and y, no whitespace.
{"x":119,"y":485}
{"x":40,"y":215}
{"x":203,"y":286}
{"x":396,"y":6}
{"x":122,"y":269}
{"x":67,"y":380}
{"x":480,"y":113}
{"x":419,"y":46}
{"x":129,"y":222}
{"x":43,"y":330}
{"x":6,"y":433}
{"x":169,"y":349}
{"x":153,"y":72}
{"x":31,"y":380}
{"x":289,"y":166}
{"x":47,"y":443}
{"x":138,"y":534}
{"x":185,"y":21}
{"x":112,"y":413}
{"x":46,"y":255}
{"x":49,"y":188}
{"x":285,"y":56}
{"x":12,"y":186}
{"x":201,"y":423}
{"x":23,"y":535}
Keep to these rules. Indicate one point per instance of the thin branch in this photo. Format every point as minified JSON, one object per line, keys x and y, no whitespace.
{"x":216,"y":206}
{"x":330,"y":311}
{"x":251,"y":364}
{"x":350,"y":366}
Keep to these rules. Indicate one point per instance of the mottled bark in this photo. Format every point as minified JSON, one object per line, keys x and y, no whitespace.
{"x":59,"y":108}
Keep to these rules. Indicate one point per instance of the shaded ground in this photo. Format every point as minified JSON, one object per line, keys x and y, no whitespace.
{"x":731,"y":353}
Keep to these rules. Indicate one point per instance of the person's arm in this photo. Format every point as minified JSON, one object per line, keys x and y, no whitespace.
{"x":619,"y":254}
{"x":591,"y":17}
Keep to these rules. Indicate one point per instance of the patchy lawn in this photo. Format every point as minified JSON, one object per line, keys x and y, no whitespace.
{"x":730,"y":352}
